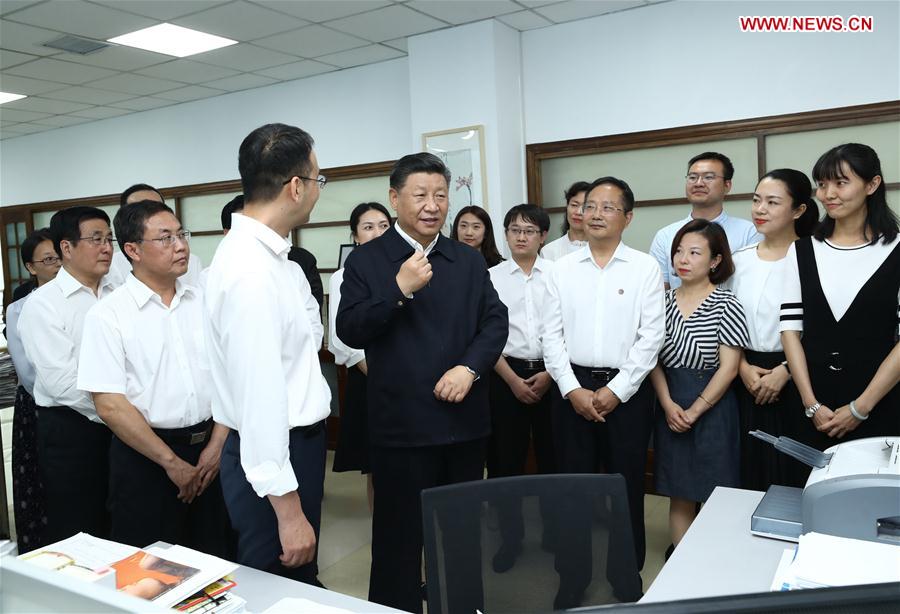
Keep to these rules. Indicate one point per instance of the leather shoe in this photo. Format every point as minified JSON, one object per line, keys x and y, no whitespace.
{"x":506,"y":557}
{"x":567,"y":597}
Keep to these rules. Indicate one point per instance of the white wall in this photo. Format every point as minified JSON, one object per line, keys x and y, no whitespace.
{"x":356,"y":116}
{"x":684,"y":63}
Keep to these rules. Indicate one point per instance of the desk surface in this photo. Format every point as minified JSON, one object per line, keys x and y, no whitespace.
{"x":718,"y":555}
{"x":262,"y":590}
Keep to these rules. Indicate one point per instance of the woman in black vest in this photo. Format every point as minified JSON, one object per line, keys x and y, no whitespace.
{"x":841,"y":292}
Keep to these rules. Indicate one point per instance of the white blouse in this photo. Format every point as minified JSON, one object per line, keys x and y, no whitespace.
{"x":560,"y":247}
{"x":758,"y":284}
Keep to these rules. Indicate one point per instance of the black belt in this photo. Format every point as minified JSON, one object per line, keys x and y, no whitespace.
{"x":525,"y":364}
{"x":597,"y":374}
{"x":188,"y":435}
{"x":309,"y":430}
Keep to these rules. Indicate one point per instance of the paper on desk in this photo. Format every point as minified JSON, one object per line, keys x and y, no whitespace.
{"x":210,"y":568}
{"x":826,"y":560}
{"x":291,"y":605}
{"x":84,"y":550}
{"x":784,"y":579}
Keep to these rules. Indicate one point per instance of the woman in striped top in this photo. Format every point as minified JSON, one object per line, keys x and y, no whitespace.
{"x":696,"y":445}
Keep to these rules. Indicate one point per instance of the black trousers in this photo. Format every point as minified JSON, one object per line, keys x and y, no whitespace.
{"x":144,"y":505}
{"x":73,"y":454}
{"x":619,"y":445}
{"x":253,"y":517}
{"x":399,"y":475}
{"x":514,"y":425}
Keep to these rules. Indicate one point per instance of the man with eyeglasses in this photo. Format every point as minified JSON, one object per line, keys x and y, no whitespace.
{"x":73,"y":443}
{"x":268,"y":386}
{"x":143,"y":359}
{"x":520,"y":403}
{"x":707,"y":183}
{"x":121,"y":267}
{"x":603,"y":329}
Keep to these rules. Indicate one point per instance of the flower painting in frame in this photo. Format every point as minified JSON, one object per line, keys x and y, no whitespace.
{"x":462,"y":150}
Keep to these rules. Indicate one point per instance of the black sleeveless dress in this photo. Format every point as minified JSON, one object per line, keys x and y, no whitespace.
{"x":843,"y":355}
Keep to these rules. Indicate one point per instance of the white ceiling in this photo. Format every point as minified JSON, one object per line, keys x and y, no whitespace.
{"x":279,"y":40}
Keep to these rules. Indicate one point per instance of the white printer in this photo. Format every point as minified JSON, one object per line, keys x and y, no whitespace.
{"x":853,"y":491}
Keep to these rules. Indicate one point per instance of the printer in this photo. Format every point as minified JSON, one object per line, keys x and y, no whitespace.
{"x":853,"y":491}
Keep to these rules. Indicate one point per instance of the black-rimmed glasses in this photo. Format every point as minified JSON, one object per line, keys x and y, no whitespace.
{"x":321,"y":180}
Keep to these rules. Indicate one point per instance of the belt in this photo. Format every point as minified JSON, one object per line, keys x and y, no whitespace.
{"x":188,"y":435}
{"x":526,"y":364}
{"x":310,"y":430}
{"x":598,"y":374}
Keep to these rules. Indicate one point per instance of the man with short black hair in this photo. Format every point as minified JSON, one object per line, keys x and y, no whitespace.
{"x":73,"y":443}
{"x":263,"y":351}
{"x":707,"y":182}
{"x":423,"y":308}
{"x":143,"y":359}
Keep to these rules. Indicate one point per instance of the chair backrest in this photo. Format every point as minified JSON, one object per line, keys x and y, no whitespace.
{"x":570,"y":533}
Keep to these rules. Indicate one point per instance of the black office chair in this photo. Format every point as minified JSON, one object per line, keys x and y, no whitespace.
{"x":562,"y":541}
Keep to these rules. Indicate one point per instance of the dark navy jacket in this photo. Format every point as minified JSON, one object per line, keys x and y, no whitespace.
{"x":457,"y":319}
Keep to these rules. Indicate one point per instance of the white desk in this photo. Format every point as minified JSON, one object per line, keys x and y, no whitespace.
{"x":718,"y":555}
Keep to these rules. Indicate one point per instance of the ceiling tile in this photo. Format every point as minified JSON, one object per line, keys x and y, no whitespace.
{"x":142,"y":103}
{"x":45,"y":105}
{"x":12,"y":58}
{"x":51,"y":69}
{"x":88,"y":95}
{"x":398,"y":43}
{"x":241,"y":21}
{"x":191,"y":92}
{"x":138,"y":85}
{"x":387,"y":23}
{"x":187,"y":71}
{"x":82,"y":18}
{"x":241,"y":82}
{"x":297,"y":70}
{"x":245,"y":57}
{"x":464,"y":12}
{"x":581,"y":9}
{"x":534,"y":3}
{"x":60,"y":121}
{"x":24,"y":85}
{"x":311,"y":41}
{"x":8,"y":6}
{"x":27,"y":128}
{"x":118,"y":57}
{"x":161,"y":9}
{"x":7,"y":123}
{"x":361,"y":56}
{"x":100,"y":112}
{"x":524,"y":20}
{"x":322,"y":10}
{"x":15,"y":115}
{"x":27,"y":39}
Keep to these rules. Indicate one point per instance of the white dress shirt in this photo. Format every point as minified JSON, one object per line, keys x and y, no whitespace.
{"x":51,"y":328}
{"x":604,"y":317}
{"x":119,"y":269}
{"x":563,"y":246}
{"x":24,"y":368}
{"x":758,"y":284}
{"x":524,"y":297}
{"x":415,"y":244}
{"x":343,"y":354}
{"x":154,"y":355}
{"x":740,"y":233}
{"x":263,"y":350}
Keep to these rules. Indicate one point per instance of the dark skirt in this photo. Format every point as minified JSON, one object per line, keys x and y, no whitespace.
{"x":352,"y":453}
{"x":761,"y":464}
{"x":28,"y":490}
{"x":690,"y":465}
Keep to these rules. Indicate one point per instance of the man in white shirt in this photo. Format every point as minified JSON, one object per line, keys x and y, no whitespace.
{"x":73,"y":444}
{"x":520,"y":403}
{"x":267,"y":382}
{"x":144,"y":361}
{"x":603,"y":328}
{"x":121,"y":267}
{"x":707,"y":183}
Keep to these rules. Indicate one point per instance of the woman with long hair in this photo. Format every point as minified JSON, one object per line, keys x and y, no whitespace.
{"x":573,"y":237}
{"x":473,"y":227}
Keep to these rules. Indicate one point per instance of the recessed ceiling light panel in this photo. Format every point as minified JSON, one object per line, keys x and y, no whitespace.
{"x":6,"y":97}
{"x":172,"y":40}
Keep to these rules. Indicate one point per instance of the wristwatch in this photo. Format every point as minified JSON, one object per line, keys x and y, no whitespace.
{"x":812,"y":409}
{"x":473,"y":372}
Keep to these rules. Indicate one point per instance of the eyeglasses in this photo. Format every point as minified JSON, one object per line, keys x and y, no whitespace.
{"x":604,"y":209}
{"x":97,"y":240}
{"x":528,"y":232}
{"x":706,"y":177}
{"x":48,"y":261}
{"x":169,"y":240}
{"x":321,"y":180}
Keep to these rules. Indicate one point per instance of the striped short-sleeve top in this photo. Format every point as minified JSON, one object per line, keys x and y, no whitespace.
{"x":694,"y":342}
